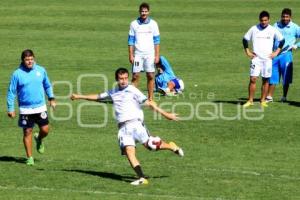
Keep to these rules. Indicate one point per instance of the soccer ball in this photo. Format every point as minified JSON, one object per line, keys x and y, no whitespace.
{"x":154,"y":143}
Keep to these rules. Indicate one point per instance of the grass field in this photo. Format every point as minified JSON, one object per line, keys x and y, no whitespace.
{"x":235,"y":158}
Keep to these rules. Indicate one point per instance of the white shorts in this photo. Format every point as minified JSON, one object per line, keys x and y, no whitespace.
{"x":143,"y":63}
{"x":259,"y":66}
{"x":132,"y":132}
{"x":181,"y":85}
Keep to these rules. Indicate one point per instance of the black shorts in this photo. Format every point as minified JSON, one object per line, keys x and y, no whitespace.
{"x":28,"y":121}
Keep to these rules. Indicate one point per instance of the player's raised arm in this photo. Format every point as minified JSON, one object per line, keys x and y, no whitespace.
{"x":167,"y":115}
{"x":90,"y":97}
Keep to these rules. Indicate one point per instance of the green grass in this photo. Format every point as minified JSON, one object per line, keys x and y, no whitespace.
{"x":225,"y":159}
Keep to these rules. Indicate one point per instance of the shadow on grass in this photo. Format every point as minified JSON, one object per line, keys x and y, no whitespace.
{"x":294,"y":103}
{"x":239,"y":101}
{"x":12,"y":159}
{"x":236,"y":102}
{"x":109,"y":175}
{"x":246,"y":99}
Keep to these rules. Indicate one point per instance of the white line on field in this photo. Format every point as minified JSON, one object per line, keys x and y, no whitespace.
{"x":253,"y":173}
{"x":35,"y":188}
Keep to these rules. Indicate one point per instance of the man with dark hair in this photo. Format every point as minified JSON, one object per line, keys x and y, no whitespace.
{"x":283,"y":63}
{"x":262,"y":36}
{"x":28,"y":83}
{"x":127,"y":101}
{"x":144,"y":5}
{"x":143,"y":47}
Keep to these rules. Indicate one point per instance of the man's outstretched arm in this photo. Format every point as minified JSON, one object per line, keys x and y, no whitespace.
{"x":90,"y":97}
{"x":167,"y":115}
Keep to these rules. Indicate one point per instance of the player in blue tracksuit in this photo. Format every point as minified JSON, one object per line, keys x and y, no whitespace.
{"x":29,"y":83}
{"x":283,"y":63}
{"x":166,"y":80}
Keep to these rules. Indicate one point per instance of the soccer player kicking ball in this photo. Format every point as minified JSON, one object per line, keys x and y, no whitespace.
{"x":127,"y":101}
{"x":262,"y":37}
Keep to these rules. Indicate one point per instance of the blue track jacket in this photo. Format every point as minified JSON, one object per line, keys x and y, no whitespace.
{"x":29,"y":86}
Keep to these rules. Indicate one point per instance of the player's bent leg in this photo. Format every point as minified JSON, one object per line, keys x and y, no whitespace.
{"x":27,"y":140}
{"x":155,"y":143}
{"x":173,"y":147}
{"x":135,"y":79}
{"x":171,"y":85}
{"x":130,"y":153}
{"x":150,"y":84}
{"x":44,"y":130}
{"x":135,"y":164}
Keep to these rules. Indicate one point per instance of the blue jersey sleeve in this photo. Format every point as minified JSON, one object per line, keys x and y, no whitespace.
{"x":298,"y":36}
{"x":131,"y":35}
{"x":131,"y":40}
{"x":162,"y":79}
{"x":11,"y":93}
{"x":156,"y":40}
{"x":47,"y":86}
{"x":167,"y":68}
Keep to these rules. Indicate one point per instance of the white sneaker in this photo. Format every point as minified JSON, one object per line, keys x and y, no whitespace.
{"x":180,"y":152}
{"x":140,"y":181}
{"x":283,"y":99}
{"x":269,"y":99}
{"x":177,"y":149}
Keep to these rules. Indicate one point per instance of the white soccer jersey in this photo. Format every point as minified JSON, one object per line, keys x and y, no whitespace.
{"x":263,"y":40}
{"x":127,"y":103}
{"x":143,"y":35}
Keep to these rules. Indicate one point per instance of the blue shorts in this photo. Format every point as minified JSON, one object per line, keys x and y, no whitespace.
{"x":176,"y":82}
{"x":282,"y":67}
{"x":179,"y":85}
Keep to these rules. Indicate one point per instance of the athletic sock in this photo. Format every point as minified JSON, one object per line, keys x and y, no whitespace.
{"x":138,"y":171}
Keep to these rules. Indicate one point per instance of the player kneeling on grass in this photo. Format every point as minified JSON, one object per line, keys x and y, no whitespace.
{"x":165,"y":80}
{"x":127,"y":101}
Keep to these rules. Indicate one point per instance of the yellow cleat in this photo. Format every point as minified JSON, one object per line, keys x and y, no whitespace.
{"x":140,"y":181}
{"x":248,"y":104}
{"x":176,"y":149}
{"x":263,"y":104}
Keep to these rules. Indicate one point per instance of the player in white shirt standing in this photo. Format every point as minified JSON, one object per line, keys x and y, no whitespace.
{"x":262,"y":37}
{"x":143,"y":47}
{"x":127,"y":101}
